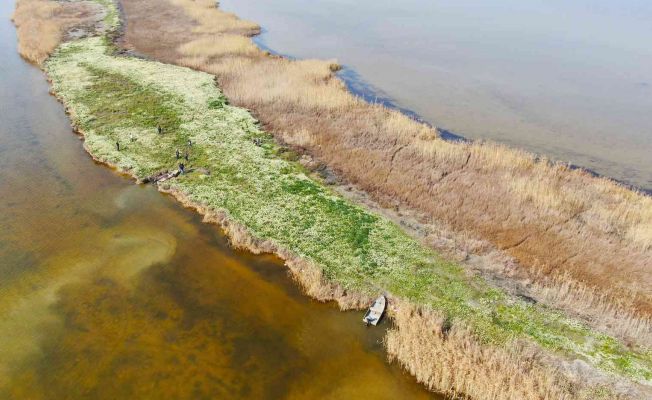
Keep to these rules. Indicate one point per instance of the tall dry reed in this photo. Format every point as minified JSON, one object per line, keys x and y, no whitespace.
{"x":41,"y":24}
{"x":609,"y":311}
{"x":449,"y":360}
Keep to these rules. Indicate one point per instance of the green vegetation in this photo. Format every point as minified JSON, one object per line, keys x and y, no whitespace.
{"x":112,"y":17}
{"x":123,"y":99}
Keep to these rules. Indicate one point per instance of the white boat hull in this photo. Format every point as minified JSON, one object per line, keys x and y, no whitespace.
{"x":375,"y":312}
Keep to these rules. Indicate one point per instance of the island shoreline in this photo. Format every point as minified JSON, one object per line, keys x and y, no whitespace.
{"x":312,"y":283}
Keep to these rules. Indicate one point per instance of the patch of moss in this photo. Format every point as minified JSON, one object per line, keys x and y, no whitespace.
{"x":115,"y":99}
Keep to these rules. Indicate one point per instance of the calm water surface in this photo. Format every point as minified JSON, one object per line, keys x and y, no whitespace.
{"x":569,"y":79}
{"x":110,"y":290}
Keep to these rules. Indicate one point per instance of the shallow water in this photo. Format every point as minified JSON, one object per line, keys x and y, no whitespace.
{"x":109,"y":290}
{"x":571,"y":80}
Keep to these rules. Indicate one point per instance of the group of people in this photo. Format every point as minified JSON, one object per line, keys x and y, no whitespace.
{"x":186,"y":155}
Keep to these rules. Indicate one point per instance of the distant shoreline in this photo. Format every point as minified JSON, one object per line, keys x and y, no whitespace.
{"x":538,"y":122}
{"x":359,"y":87}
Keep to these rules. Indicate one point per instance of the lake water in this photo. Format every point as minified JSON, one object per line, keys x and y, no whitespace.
{"x":570,"y":80}
{"x":109,"y":290}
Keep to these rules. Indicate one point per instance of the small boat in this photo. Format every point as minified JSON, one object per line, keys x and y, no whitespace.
{"x":375,"y":312}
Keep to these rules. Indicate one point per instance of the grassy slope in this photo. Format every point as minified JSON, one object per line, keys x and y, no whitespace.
{"x":123,"y":99}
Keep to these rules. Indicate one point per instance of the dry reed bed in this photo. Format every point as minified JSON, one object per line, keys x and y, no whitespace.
{"x":546,"y":216}
{"x":448,"y":359}
{"x":606,"y":310}
{"x":41,"y":24}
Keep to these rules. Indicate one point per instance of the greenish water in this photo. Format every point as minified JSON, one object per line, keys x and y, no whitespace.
{"x":110,"y":290}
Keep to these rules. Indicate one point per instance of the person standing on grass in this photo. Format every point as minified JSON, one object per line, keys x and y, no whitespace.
{"x":159,"y":129}
{"x":117,"y":145}
{"x":177,"y":153}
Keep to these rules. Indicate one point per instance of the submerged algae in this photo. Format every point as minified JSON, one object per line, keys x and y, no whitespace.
{"x":123,"y":99}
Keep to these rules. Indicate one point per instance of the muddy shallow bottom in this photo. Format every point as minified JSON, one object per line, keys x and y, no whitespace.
{"x":112,"y":290}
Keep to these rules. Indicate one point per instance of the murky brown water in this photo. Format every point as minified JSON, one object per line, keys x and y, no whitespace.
{"x":110,"y":290}
{"x":568,"y":79}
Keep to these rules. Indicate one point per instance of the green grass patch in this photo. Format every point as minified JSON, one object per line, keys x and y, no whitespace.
{"x":115,"y":99}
